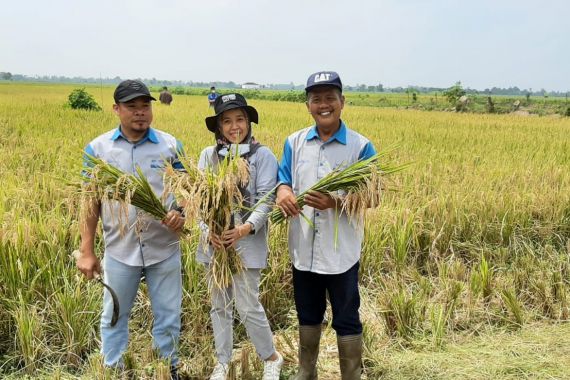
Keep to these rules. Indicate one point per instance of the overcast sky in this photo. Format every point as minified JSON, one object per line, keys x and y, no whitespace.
{"x":483,"y":43}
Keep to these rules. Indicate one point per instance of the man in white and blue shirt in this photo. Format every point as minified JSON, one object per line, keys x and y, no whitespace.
{"x":136,"y":245}
{"x":322,"y":261}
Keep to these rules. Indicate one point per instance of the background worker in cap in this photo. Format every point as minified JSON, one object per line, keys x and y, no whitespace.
{"x":232,"y":129}
{"x":212,"y":96}
{"x":318,"y":265}
{"x":146,"y":246}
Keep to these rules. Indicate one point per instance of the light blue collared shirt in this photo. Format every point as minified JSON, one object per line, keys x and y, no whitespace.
{"x":144,"y":240}
{"x":306,"y":159}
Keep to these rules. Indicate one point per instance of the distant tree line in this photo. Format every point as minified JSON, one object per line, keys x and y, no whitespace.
{"x":115,"y":80}
{"x":513,"y":91}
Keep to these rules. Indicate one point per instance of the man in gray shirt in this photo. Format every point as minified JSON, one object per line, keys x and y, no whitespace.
{"x":138,"y":246}
{"x":326,"y":254}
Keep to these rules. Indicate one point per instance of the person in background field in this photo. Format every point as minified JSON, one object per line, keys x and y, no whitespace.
{"x":148,"y":247}
{"x":212,"y":96}
{"x":320,"y":266}
{"x":231,"y":127}
{"x":165,"y":96}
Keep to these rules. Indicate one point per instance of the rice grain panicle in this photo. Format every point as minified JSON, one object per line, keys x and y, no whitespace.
{"x":105,"y":183}
{"x":211,"y":197}
{"x":357,"y":187}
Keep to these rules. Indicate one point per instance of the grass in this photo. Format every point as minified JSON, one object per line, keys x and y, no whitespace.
{"x":538,"y":352}
{"x":471,"y":252}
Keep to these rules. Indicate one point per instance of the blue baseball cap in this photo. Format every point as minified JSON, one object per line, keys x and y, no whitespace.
{"x":323,"y":78}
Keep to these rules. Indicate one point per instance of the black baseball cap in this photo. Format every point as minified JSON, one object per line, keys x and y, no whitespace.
{"x":323,"y":78}
{"x":228,"y":102}
{"x":131,"y":89}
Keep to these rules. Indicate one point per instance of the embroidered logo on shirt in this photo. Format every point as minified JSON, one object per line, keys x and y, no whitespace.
{"x":157,"y":164}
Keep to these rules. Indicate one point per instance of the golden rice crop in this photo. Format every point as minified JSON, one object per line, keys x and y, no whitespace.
{"x":211,"y":197}
{"x":103,"y":182}
{"x":492,"y":187}
{"x":360,"y":183}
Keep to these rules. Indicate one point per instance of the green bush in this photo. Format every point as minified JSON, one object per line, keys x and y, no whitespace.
{"x":81,"y":99}
{"x":454,"y":93}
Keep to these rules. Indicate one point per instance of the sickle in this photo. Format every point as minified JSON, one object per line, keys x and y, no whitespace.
{"x":116,"y":307}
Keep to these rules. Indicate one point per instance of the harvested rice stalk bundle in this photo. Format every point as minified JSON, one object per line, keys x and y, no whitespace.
{"x":361,"y":183}
{"x":105,"y":182}
{"x":211,"y":196}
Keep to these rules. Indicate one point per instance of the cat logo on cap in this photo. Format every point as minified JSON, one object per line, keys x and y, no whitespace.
{"x":322,"y":77}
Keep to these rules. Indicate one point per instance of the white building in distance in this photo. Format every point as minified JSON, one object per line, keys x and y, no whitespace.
{"x":250,"y":86}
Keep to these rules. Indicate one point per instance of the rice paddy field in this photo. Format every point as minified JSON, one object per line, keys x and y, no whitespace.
{"x":465,"y":267}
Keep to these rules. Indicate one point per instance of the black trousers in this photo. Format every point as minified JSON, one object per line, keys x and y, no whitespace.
{"x":311,"y":299}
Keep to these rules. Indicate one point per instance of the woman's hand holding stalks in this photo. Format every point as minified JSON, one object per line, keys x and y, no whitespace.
{"x":229,"y":238}
{"x":216,"y":241}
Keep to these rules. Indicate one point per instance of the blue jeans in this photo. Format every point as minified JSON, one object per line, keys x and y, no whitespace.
{"x":164,"y":283}
{"x":311,"y":299}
